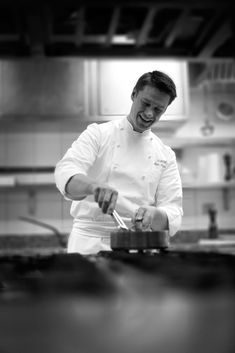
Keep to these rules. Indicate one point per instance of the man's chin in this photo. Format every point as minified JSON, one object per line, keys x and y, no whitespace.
{"x":144,"y":125}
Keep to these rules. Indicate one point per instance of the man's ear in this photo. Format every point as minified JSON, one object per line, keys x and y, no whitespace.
{"x":133,"y":94}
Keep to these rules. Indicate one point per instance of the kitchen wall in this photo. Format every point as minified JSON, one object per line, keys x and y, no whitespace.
{"x":202,"y":162}
{"x":30,"y":138}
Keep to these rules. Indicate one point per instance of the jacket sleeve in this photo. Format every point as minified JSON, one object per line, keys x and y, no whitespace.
{"x":169,"y":194}
{"x":78,"y":158}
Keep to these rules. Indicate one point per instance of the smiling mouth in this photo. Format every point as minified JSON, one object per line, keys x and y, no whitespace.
{"x":146,"y":120}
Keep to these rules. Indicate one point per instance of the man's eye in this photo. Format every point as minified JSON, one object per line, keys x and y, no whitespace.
{"x":157,"y":110}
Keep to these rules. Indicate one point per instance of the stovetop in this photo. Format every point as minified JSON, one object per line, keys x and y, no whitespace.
{"x":172,"y":301}
{"x":68,"y":273}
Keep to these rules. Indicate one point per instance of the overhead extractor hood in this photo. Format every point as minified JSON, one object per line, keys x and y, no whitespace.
{"x":212,"y":110}
{"x":218,"y":81}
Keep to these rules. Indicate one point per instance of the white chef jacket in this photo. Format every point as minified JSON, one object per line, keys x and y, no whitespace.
{"x":138,"y":165}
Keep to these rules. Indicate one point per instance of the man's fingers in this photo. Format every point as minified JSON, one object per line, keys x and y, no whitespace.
{"x":106,"y":199}
{"x":139,"y":214}
{"x":142,"y":219}
{"x":101,"y":197}
{"x":138,"y":219}
{"x":113,"y":201}
{"x":96,"y":194}
{"x":146,"y":221}
{"x":138,"y":225}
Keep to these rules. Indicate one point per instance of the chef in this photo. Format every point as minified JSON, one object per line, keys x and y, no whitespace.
{"x":123,"y":165}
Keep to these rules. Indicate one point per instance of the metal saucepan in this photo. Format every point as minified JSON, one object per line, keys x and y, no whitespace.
{"x":128,"y":239}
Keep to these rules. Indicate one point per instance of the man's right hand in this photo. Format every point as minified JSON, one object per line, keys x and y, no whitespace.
{"x":106,"y":198}
{"x":80,"y":185}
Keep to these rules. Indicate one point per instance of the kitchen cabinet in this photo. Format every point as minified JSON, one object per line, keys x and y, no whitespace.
{"x":42,"y":87}
{"x":62,"y":88}
{"x":21,"y":89}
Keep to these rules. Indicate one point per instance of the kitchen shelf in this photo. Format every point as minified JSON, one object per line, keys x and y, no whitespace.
{"x":30,"y":186}
{"x":27,"y":180}
{"x":192,"y":142}
{"x":220,"y":185}
{"x":193,"y":185}
{"x":224,"y":186}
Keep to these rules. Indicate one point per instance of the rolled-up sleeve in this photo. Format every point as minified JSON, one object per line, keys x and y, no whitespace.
{"x":169,"y":195}
{"x":78,"y":158}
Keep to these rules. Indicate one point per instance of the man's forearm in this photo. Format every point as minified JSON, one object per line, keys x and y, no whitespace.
{"x":79,"y":186}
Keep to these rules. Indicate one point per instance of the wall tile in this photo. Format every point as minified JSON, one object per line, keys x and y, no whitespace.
{"x":189,"y":202}
{"x":205,"y":197}
{"x":16,"y":204}
{"x":2,"y":149}
{"x":66,"y":141}
{"x":46,"y":149}
{"x":66,"y":205}
{"x":19,"y":150}
{"x":3,"y":205}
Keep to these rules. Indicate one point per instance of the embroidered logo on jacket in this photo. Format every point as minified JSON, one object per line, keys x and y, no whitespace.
{"x":161,"y":163}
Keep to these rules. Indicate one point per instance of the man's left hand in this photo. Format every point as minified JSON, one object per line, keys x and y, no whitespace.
{"x":143,"y":218}
{"x":150,"y":218}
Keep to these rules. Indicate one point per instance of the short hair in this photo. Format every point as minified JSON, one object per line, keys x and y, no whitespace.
{"x":158,"y":80}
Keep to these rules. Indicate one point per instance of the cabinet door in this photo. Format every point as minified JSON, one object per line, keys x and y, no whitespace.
{"x":62,"y":87}
{"x":47,"y":87}
{"x":21,"y":89}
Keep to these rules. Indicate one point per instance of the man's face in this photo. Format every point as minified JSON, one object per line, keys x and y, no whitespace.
{"x":147,"y":107}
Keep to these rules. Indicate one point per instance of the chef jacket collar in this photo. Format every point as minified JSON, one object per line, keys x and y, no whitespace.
{"x":127,"y":125}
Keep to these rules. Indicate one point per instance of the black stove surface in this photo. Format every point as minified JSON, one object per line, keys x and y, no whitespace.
{"x":191,"y":270}
{"x":181,"y":302}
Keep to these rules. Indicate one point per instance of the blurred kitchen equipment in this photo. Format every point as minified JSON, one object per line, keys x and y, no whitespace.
{"x":228,"y":166}
{"x":59,"y":236}
{"x":207,"y":128}
{"x":222,"y":72}
{"x":209,"y":168}
{"x":225,"y":111}
{"x":218,"y":81}
{"x":213,"y":229}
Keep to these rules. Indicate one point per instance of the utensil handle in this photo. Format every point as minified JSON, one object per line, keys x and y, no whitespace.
{"x":121,"y":224}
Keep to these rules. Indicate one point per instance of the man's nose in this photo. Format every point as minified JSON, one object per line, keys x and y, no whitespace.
{"x":149,"y":112}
